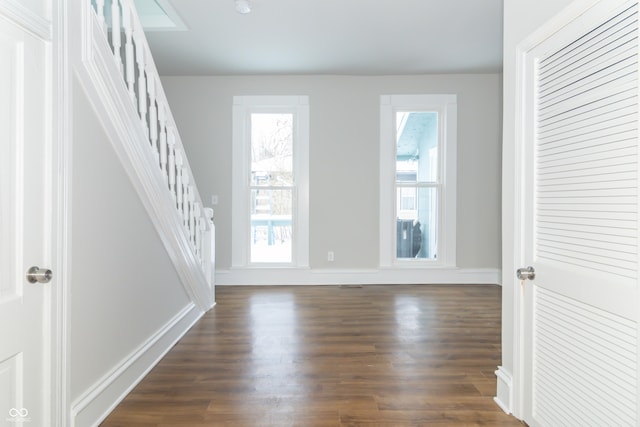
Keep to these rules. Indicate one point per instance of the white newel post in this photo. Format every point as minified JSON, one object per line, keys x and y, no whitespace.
{"x":208,"y":245}
{"x":115,"y":33}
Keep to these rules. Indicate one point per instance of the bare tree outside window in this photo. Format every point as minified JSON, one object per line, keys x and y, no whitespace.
{"x":272,"y":187}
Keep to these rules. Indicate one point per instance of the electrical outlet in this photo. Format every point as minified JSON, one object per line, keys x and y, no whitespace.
{"x":214,"y":200}
{"x":330,"y":256}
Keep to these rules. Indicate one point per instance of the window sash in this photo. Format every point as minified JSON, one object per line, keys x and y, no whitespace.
{"x":275,"y":228}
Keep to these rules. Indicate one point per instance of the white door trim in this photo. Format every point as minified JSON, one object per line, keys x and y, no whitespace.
{"x":60,"y":162}
{"x":55,"y":196}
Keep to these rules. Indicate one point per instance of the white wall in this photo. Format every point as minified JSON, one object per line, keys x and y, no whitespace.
{"x":521,"y":18}
{"x":344,"y":157}
{"x":123,"y":287}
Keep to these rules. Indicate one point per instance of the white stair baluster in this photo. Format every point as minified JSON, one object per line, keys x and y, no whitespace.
{"x":171,"y":142}
{"x":185,"y":200}
{"x":196,"y":226}
{"x":142,"y":82}
{"x":162,"y":123}
{"x":192,"y":214}
{"x":153,"y":116}
{"x":202,"y":230}
{"x":115,"y":33}
{"x":130,"y":70}
{"x":100,"y":12}
{"x":179,"y":181}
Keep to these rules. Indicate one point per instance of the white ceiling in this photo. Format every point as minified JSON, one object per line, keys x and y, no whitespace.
{"x":356,"y":37}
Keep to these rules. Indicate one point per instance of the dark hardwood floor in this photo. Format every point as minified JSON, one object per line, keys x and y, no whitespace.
{"x":330,"y":356}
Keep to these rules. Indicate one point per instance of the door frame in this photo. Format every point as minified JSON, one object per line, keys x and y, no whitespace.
{"x":519,"y":174}
{"x":60,"y":162}
{"x":56,"y":196}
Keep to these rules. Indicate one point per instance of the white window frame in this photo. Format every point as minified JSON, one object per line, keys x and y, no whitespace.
{"x":243,"y":107}
{"x":446,"y":106}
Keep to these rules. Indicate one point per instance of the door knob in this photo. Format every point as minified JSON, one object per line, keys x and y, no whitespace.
{"x":525,"y":273}
{"x":39,"y":275}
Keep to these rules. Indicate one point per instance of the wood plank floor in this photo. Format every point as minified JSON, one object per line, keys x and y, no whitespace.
{"x":330,"y":356}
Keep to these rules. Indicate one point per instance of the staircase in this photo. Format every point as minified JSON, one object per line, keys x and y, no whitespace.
{"x":120,"y":325}
{"x":121,"y":72}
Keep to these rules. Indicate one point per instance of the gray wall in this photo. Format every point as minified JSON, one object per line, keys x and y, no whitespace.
{"x":123,"y":287}
{"x":344,"y":157}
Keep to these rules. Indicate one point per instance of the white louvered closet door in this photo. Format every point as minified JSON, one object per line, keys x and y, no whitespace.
{"x":580,"y":221}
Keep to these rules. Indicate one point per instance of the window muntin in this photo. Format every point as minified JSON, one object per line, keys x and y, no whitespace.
{"x":417,"y":228}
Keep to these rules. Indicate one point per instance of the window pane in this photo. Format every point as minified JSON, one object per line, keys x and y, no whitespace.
{"x":272,"y":149}
{"x":271,"y":220}
{"x":417,"y":146}
{"x":417,"y":228}
{"x":407,"y":202}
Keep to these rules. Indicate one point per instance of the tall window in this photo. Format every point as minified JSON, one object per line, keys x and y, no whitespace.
{"x":270,"y":181}
{"x":417,"y":200}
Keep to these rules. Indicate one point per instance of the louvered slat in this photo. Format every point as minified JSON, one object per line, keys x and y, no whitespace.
{"x":604,"y":34}
{"x":587,"y":351}
{"x":600,"y":232}
{"x":603,"y":114}
{"x":614,"y":71}
{"x":580,"y":108}
{"x":569,"y":178}
{"x":623,"y":216}
{"x":591,"y":245}
{"x":587,"y":53}
{"x":578,"y":131}
{"x":581,"y":175}
{"x":576,"y":106}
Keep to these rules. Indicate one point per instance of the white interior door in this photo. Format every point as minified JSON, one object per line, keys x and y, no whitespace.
{"x":24,"y":226}
{"x":580,"y":220}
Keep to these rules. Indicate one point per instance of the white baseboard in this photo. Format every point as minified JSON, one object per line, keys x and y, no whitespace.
{"x":299,"y":276}
{"x":93,"y":406}
{"x":504,"y":392}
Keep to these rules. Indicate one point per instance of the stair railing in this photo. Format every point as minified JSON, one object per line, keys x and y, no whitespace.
{"x":124,"y":32}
